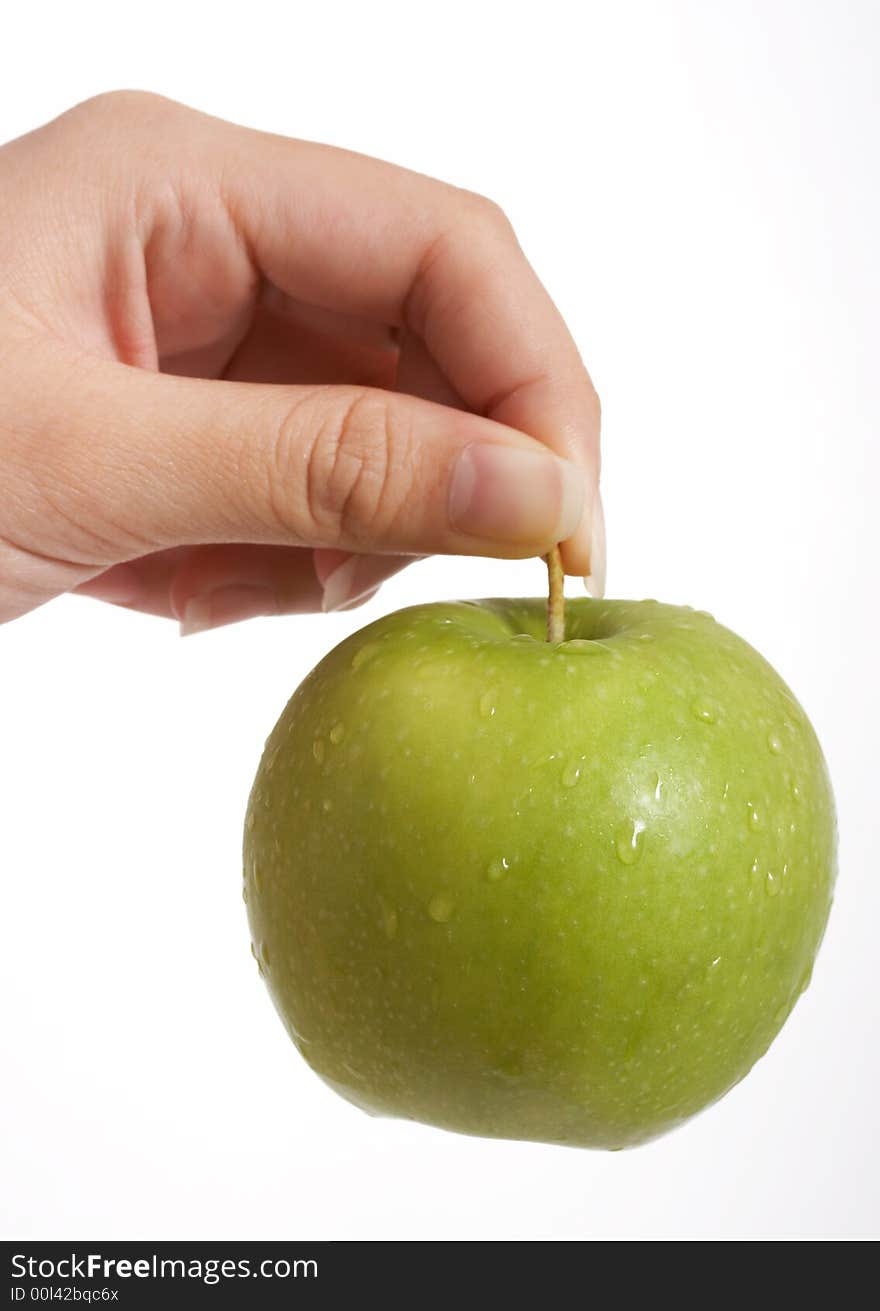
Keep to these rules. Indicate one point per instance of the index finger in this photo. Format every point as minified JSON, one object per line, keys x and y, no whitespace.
{"x":364,"y":237}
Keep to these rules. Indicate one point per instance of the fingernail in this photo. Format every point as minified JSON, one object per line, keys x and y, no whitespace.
{"x":356,"y":579}
{"x":595,"y":580}
{"x":338,"y":585}
{"x":362,"y":599}
{"x":503,"y":494}
{"x":227,"y":605}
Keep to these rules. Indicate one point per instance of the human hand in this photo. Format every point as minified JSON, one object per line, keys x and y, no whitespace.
{"x":245,"y":375}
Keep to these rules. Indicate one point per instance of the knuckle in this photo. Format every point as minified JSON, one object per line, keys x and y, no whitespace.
{"x":474,"y":226}
{"x":361,"y":453}
{"x":112,"y":118}
{"x":487,"y":214}
{"x":125,"y":102}
{"x":353,"y":466}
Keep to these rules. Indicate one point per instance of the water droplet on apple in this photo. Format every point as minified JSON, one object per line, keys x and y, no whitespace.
{"x":318,"y":749}
{"x":658,"y":786}
{"x":337,"y":733}
{"x":487,"y":705}
{"x":364,"y":653}
{"x":646,"y":637}
{"x":258,"y":880}
{"x":389,"y":920}
{"x":497,"y":869}
{"x":251,"y":820}
{"x":754,"y":817}
{"x":244,"y":893}
{"x":570,"y":775}
{"x":805,"y":979}
{"x":326,"y":804}
{"x":774,"y":743}
{"x":629,"y":842}
{"x":581,"y":645}
{"x":264,"y":953}
{"x":440,"y":909}
{"x":795,"y":792}
{"x":704,"y":710}
{"x":772,"y":883}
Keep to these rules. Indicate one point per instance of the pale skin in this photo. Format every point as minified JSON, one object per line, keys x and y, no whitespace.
{"x":245,"y":375}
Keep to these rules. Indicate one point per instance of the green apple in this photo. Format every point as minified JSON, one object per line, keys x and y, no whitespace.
{"x":566,"y":892}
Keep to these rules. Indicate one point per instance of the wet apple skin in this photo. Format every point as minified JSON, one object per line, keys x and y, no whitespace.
{"x":567,"y":893}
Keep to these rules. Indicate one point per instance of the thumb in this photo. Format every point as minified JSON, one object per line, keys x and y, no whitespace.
{"x":169,"y":461}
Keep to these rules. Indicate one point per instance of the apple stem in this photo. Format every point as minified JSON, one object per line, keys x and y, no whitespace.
{"x":555,"y":597}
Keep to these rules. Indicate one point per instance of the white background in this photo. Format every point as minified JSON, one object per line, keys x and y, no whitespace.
{"x":698,"y":186}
